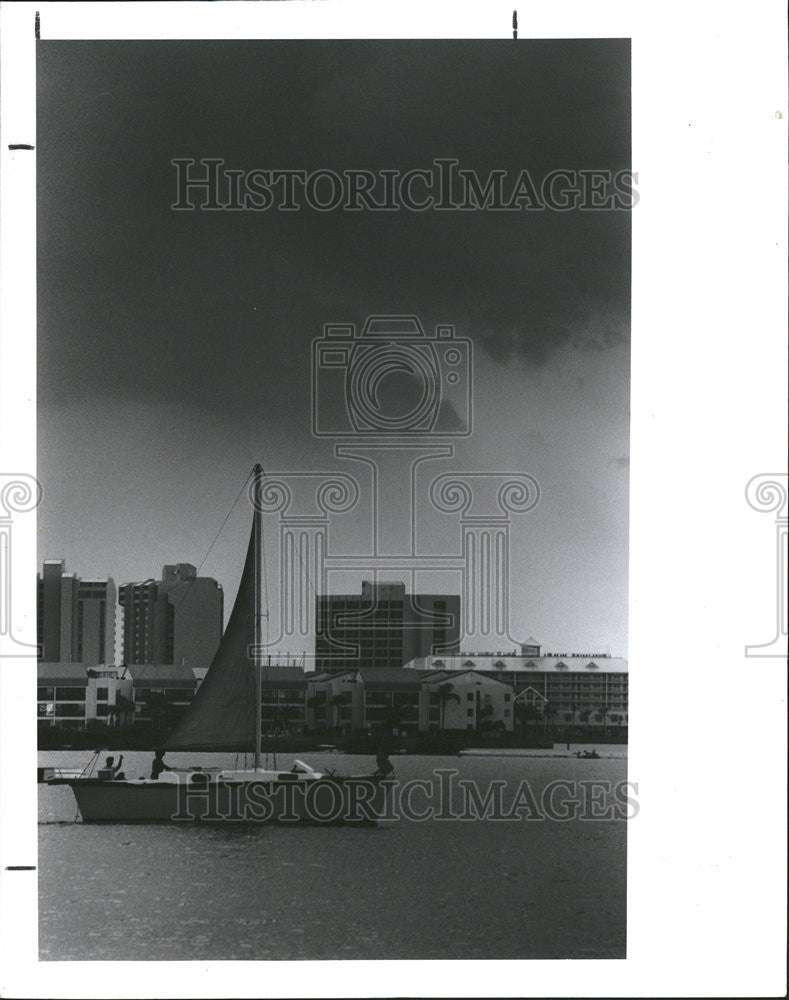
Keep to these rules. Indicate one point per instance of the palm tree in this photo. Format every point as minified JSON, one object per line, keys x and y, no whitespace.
{"x":446,"y":693}
{"x":283,"y":716}
{"x":313,"y":702}
{"x":343,"y":698}
{"x":119,"y":712}
{"x":526,"y":713}
{"x":482,"y":715}
{"x":160,"y":709}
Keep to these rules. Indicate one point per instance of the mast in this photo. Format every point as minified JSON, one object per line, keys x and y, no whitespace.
{"x":257,"y":530}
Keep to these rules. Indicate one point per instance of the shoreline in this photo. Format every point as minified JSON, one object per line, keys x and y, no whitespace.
{"x":411,"y":745}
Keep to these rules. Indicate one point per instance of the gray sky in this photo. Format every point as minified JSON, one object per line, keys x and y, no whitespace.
{"x":174,"y":348}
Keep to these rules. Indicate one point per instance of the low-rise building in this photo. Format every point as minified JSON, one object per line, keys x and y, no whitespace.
{"x":71,"y":695}
{"x":283,"y":697}
{"x":161,"y":692}
{"x":394,"y":699}
{"x":365,"y":699}
{"x":466,"y":699}
{"x":567,"y":689}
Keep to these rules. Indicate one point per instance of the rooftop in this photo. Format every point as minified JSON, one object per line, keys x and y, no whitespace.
{"x":572,"y":663}
{"x":66,"y":673}
{"x":161,"y":673}
{"x":275,"y":675}
{"x":388,"y":677}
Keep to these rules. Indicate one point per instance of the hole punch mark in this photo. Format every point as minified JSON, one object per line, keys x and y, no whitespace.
{"x":20,"y":145}
{"x":20,"y":868}
{"x":515,"y":24}
{"x":38,"y":26}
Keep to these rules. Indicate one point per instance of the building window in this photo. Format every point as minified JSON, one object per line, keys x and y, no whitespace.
{"x":71,"y":694}
{"x":46,"y":694}
{"x":507,"y":697}
{"x":102,"y":694}
{"x":470,"y":696}
{"x":506,"y":713}
{"x":469,"y":712}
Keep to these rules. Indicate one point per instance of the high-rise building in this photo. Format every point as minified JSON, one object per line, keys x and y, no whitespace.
{"x":96,"y":604}
{"x":383,"y":627}
{"x":76,"y":618}
{"x":177,"y":619}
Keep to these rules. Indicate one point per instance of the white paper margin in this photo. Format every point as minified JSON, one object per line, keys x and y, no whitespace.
{"x":706,"y":855}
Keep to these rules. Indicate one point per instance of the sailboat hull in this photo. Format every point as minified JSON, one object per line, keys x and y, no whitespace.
{"x":324,"y":800}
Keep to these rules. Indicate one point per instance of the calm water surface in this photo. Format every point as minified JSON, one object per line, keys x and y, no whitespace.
{"x":433,"y":889}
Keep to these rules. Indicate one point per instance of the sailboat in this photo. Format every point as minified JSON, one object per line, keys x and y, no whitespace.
{"x":225,"y":715}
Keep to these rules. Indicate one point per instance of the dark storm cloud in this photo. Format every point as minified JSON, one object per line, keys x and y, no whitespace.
{"x":138,"y":300}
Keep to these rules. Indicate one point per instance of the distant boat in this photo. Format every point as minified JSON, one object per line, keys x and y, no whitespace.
{"x":225,"y":715}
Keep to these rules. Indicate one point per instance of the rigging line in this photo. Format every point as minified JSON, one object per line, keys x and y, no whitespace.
{"x":158,"y":645}
{"x":227,"y":518}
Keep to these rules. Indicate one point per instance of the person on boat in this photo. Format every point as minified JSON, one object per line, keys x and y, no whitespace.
{"x":384,"y":767}
{"x":158,"y":765}
{"x":111,"y":771}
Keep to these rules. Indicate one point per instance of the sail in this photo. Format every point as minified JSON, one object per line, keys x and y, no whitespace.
{"x":222,"y":713}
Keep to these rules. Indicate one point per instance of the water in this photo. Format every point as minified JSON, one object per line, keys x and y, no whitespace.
{"x":490,"y":889}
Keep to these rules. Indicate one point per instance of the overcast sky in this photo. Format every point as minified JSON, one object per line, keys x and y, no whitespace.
{"x":174,"y":347}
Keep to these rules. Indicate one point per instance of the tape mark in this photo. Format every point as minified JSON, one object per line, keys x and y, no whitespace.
{"x":38,"y":26}
{"x":515,"y":24}
{"x":20,"y":868}
{"x":20,"y":145}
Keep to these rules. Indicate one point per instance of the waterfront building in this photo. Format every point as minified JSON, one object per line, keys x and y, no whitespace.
{"x":71,"y":695}
{"x":383,"y":627}
{"x":76,"y":617}
{"x":283,"y":696}
{"x":177,"y":619}
{"x":367,"y":698}
{"x":566,"y":689}
{"x":396,"y":699}
{"x":161,"y":692}
{"x":318,"y":708}
{"x":467,"y":699}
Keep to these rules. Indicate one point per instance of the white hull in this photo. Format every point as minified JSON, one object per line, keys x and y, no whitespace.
{"x":235,"y":797}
